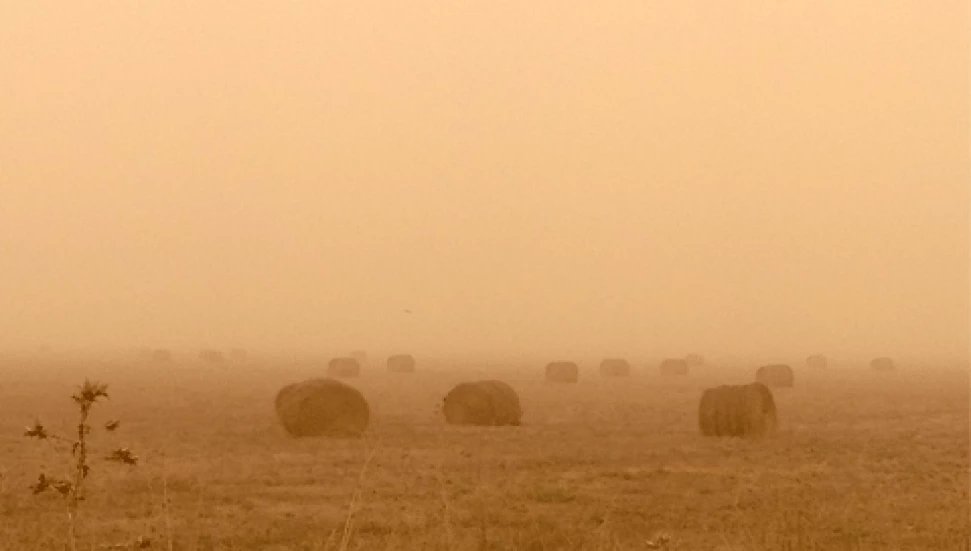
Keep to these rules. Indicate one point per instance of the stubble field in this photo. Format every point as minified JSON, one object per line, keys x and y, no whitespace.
{"x":862,"y":460}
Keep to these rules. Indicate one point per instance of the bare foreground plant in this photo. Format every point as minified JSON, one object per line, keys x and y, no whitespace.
{"x":71,"y":487}
{"x":347,"y":529}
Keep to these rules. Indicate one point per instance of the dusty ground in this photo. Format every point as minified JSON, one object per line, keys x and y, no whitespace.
{"x":863,"y":460}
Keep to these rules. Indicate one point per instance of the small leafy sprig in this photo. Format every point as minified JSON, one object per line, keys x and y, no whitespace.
{"x":71,"y":488}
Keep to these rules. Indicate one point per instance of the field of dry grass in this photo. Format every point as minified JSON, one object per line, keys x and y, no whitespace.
{"x":863,"y":460}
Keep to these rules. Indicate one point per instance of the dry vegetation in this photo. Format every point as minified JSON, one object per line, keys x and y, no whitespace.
{"x":861,"y":460}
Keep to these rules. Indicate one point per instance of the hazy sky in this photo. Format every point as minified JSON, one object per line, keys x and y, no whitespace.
{"x":630,"y":176}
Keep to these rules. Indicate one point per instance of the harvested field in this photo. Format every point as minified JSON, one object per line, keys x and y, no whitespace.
{"x":859,"y":461}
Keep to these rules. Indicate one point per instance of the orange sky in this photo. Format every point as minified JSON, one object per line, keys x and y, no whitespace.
{"x":774,"y":177}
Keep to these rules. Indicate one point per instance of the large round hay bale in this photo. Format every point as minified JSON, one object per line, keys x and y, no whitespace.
{"x":401,"y":363}
{"x":161,"y":355}
{"x":759,"y":415}
{"x":562,"y":372}
{"x":695,"y":360}
{"x":343,"y":367}
{"x":322,"y":407}
{"x":209,"y":355}
{"x":719,"y":412}
{"x":817,"y":361}
{"x":882,"y":364}
{"x":737,"y":410}
{"x":615,"y":367}
{"x":482,"y":403}
{"x":775,"y":375}
{"x":673,"y":366}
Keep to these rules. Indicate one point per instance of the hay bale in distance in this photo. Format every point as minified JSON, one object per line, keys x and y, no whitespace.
{"x":737,"y":410}
{"x":882,"y":364}
{"x":343,"y":367}
{"x":239,"y":355}
{"x":615,"y":367}
{"x":775,"y":375}
{"x":360,"y":356}
{"x":322,"y":407}
{"x":401,"y":363}
{"x":695,"y":360}
{"x":161,"y":355}
{"x":817,"y":361}
{"x":562,"y":372}
{"x":482,"y":403}
{"x":673,"y":366}
{"x":211,"y":356}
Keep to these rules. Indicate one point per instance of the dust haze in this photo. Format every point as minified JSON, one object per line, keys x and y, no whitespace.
{"x":556,"y":177}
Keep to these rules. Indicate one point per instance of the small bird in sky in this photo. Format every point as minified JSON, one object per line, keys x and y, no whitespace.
{"x":407,"y":311}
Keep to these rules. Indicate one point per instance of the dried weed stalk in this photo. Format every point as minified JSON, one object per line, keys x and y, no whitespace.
{"x":71,"y":487}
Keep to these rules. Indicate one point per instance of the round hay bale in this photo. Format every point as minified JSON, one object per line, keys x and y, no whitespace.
{"x":343,"y":367}
{"x":562,"y":372}
{"x":729,"y":421}
{"x":211,"y":356}
{"x":615,"y":367}
{"x":401,"y":363}
{"x":817,"y":361}
{"x":161,"y":355}
{"x":775,"y":375}
{"x":482,"y":403}
{"x":238,"y":355}
{"x":737,"y":410}
{"x":695,"y":360}
{"x":759,"y":412}
{"x":882,"y":364}
{"x":322,"y":407}
{"x":673,"y":366}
